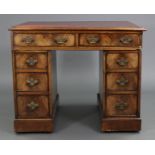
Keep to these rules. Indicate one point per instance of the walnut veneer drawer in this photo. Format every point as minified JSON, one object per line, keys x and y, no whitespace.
{"x":65,"y":40}
{"x":31,"y":106}
{"x":122,"y":60}
{"x":121,"y":105}
{"x":31,"y":61}
{"x":110,"y":39}
{"x":122,"y":81}
{"x":32,"y":82}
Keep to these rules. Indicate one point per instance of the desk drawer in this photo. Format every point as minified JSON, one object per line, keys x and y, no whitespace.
{"x":122,"y":60}
{"x":32,"y":82}
{"x":110,"y":39}
{"x":45,"y":39}
{"x":31,"y":61}
{"x":122,"y":81}
{"x":31,"y":106}
{"x":121,"y":105}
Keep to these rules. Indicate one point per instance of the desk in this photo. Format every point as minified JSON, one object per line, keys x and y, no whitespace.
{"x":34,"y":46}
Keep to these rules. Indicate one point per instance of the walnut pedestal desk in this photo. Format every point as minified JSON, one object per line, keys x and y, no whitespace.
{"x":34,"y":46}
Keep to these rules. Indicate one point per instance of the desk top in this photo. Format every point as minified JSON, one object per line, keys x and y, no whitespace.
{"x":78,"y":25}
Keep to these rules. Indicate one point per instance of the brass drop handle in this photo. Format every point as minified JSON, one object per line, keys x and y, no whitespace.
{"x":31,"y":82}
{"x":32,"y":106}
{"x":122,"y":62}
{"x":28,"y":40}
{"x":60,"y":40}
{"x":122,"y":81}
{"x":121,"y":106}
{"x":126,"y":39}
{"x":31,"y":61}
{"x":93,"y":39}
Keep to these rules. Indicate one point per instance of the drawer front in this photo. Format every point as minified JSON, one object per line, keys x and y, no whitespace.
{"x":32,"y":106}
{"x":31,"y":61}
{"x":110,"y":39}
{"x":32,"y":82}
{"x":122,"y":61}
{"x":122,"y":81}
{"x":121,"y":105}
{"x":44,"y":40}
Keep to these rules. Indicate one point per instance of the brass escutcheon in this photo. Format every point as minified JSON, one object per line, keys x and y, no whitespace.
{"x":126,"y":39}
{"x":28,"y":40}
{"x":122,"y":81}
{"x":31,"y":61}
{"x":32,"y":82}
{"x":93,"y":39}
{"x":32,"y":106}
{"x":122,"y":61}
{"x":121,"y":106}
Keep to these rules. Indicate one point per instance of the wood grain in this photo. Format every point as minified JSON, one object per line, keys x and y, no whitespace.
{"x":131,"y":59}
{"x":121,"y":124}
{"x":78,"y":25}
{"x":78,"y":48}
{"x":130,"y":86}
{"x":113,"y":100}
{"x":52,"y":74}
{"x":25,"y":112}
{"x":116,"y":40}
{"x":109,"y":39}
{"x":21,"y":58}
{"x":33,"y":125}
{"x":44,"y":39}
{"x":22,"y":82}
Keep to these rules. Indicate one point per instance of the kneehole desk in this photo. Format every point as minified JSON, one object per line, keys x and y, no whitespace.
{"x":35,"y":75}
